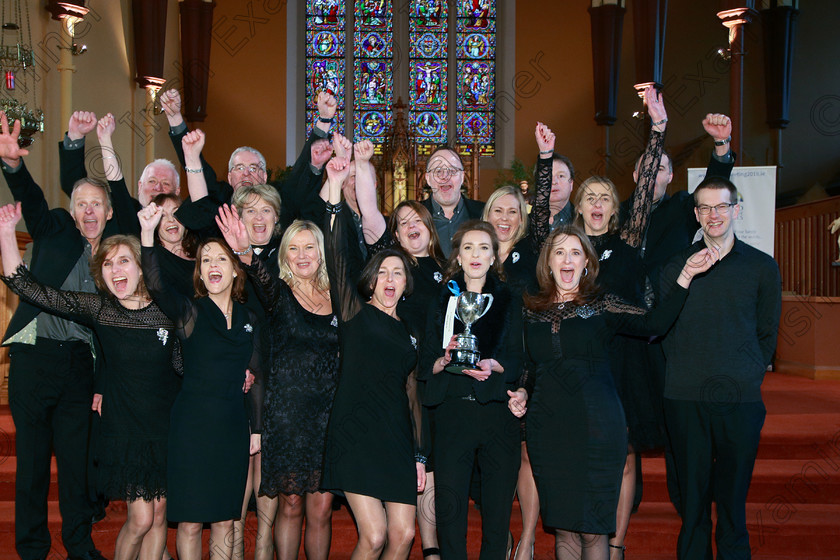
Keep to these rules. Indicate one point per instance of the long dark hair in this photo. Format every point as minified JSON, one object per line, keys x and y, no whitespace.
{"x":370,"y":274}
{"x":588,"y":289}
{"x":189,"y":243}
{"x":434,"y":241}
{"x":238,"y":290}
{"x":106,"y":246}
{"x":452,"y":266}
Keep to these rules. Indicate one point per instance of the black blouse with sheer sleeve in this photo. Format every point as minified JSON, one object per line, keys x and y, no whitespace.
{"x":139,"y":383}
{"x":621,"y":268}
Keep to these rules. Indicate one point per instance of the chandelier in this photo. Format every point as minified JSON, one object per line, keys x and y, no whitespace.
{"x":17,"y":66}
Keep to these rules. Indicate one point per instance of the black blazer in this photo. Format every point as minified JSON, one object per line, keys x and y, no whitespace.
{"x":58,"y":243}
{"x":499,"y":334}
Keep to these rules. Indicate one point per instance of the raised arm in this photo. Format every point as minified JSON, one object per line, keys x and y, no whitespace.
{"x":10,"y":151}
{"x":105,"y":131}
{"x":78,"y":306}
{"x":342,"y":287}
{"x":193,"y":143}
{"x":71,"y":150}
{"x":634,"y":227}
{"x":125,"y":207}
{"x":171,"y":103}
{"x":541,"y":210}
{"x":177,"y":307}
{"x":373,"y":223}
{"x":719,"y":127}
{"x":236,"y":237}
{"x":256,"y":395}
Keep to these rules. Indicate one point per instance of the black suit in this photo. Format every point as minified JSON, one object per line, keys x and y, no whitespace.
{"x":50,"y":390}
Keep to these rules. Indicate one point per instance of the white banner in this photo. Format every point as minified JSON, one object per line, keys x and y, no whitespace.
{"x":757,"y":196}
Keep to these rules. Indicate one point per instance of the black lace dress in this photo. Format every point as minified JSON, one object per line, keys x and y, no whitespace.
{"x":209,"y":436}
{"x":576,"y":432}
{"x":140,"y":384}
{"x":622,"y":273}
{"x":302,"y":372}
{"x":374,"y":428}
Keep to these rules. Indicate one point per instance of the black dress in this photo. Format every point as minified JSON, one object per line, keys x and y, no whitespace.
{"x":302,"y":372}
{"x":374,"y":427}
{"x":576,"y":433}
{"x":140,"y":384}
{"x":209,"y":435}
{"x":176,"y":271}
{"x":622,"y":273}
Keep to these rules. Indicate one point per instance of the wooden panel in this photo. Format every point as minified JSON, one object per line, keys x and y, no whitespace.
{"x":805,"y":250}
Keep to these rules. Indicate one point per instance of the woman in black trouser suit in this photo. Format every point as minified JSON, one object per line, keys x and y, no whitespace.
{"x":472,"y":422}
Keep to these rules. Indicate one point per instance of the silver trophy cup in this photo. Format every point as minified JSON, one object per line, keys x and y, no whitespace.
{"x":471,"y":307}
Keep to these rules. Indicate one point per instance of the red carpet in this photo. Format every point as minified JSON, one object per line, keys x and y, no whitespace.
{"x":793,"y":509}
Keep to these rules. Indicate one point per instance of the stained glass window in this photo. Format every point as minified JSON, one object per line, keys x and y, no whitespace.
{"x":325,"y":51}
{"x":427,"y":96}
{"x":437,"y":64}
{"x":373,"y":50}
{"x":476,"y":75}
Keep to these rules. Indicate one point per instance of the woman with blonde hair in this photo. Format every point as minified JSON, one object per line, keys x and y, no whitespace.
{"x":300,"y":386}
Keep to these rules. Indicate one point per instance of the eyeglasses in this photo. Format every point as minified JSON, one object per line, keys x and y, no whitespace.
{"x":722,"y":209}
{"x":253,"y":168}
{"x":443,"y":173}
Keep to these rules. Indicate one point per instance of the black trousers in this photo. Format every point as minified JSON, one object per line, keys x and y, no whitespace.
{"x":50,"y":391}
{"x":714,"y":447}
{"x":469,"y":433}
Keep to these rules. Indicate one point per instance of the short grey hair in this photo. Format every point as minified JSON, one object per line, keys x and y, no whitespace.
{"x":93,"y":182}
{"x":246,"y":149}
{"x":162,"y":162}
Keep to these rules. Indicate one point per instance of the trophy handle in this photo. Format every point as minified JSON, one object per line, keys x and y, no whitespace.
{"x":489,"y":305}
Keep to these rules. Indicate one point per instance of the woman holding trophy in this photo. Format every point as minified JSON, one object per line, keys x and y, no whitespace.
{"x":470,"y":361}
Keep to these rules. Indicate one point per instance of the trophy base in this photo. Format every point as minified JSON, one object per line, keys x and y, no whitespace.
{"x":463,"y":359}
{"x":459,"y":368}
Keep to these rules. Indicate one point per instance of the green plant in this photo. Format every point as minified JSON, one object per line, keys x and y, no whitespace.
{"x":277,"y":174}
{"x":513,"y":176}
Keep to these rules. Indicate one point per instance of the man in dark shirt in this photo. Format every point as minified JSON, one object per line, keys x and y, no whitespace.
{"x":716,"y":355}
{"x":449,"y":209}
{"x":562,"y":181}
{"x":51,"y":368}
